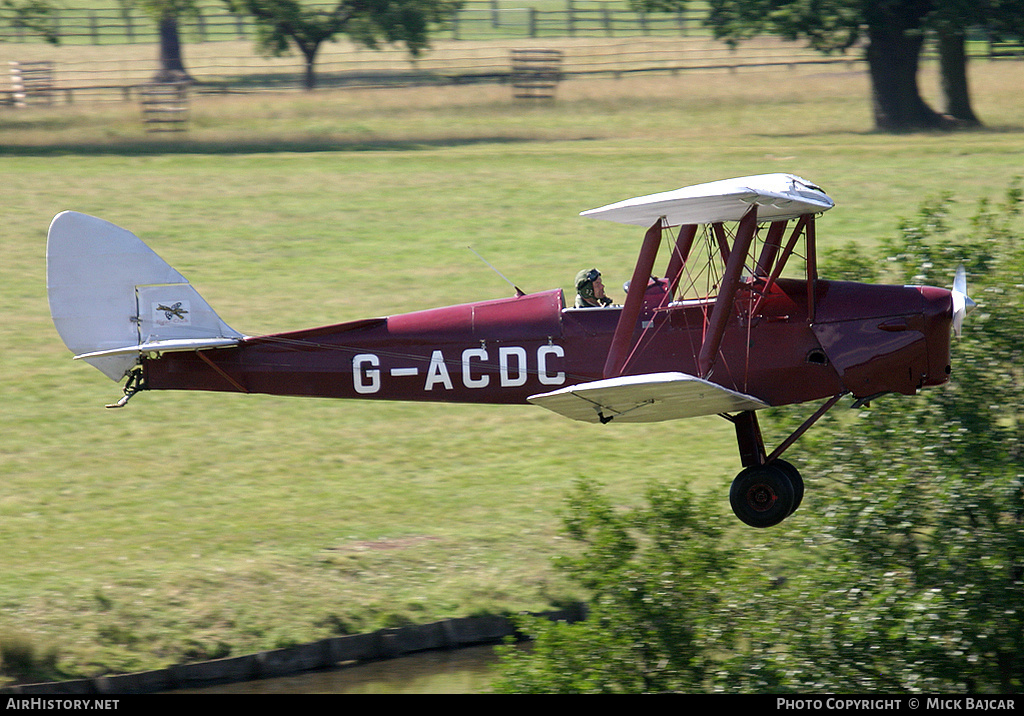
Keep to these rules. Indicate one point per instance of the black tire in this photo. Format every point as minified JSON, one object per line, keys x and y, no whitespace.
{"x":762,"y":496}
{"x":795,"y":479}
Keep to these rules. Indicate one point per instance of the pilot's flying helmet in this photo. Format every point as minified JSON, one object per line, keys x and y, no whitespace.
{"x":585,"y":282}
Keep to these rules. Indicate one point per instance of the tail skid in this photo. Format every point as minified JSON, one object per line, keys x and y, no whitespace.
{"x":113,"y":299}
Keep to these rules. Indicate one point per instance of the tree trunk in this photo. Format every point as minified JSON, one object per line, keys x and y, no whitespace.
{"x":953,"y":64}
{"x":309,"y":78}
{"x":308,"y":48}
{"x":172,"y":68}
{"x":893,"y":56}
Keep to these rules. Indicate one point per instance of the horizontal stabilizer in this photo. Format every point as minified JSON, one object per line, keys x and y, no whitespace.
{"x":645,"y":398}
{"x":778,"y":196}
{"x":170,"y":346}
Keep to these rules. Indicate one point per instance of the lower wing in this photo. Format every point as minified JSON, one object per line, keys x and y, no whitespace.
{"x":645,"y":399}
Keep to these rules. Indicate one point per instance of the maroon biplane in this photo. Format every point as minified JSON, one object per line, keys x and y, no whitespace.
{"x":727,"y":331}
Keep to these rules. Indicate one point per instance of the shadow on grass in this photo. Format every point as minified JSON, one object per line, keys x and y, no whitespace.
{"x":179,"y":144}
{"x":951,"y":131}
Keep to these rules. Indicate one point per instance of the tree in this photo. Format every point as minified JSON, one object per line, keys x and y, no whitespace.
{"x":951,"y":21}
{"x":166,"y":13}
{"x":369,"y":22}
{"x":32,"y":15}
{"x":895,"y":32}
{"x":906,"y":575}
{"x":655,"y":577}
{"x":923,"y":529}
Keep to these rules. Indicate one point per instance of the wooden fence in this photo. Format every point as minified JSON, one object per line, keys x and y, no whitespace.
{"x":31,"y":82}
{"x":110,"y":55}
{"x":535,"y":73}
{"x":165,"y":106}
{"x":477,"y":20}
{"x":117,"y":73}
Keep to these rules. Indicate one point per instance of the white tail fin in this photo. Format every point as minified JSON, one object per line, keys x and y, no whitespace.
{"x":112,"y":297}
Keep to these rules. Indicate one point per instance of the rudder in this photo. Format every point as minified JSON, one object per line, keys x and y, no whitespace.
{"x":112,"y":297}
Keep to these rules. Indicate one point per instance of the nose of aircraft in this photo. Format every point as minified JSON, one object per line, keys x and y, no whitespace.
{"x":944,"y":317}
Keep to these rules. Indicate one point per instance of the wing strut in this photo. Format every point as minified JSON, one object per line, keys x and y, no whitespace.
{"x":722,"y":310}
{"x":623,"y":339}
{"x":812,"y":268}
{"x":772,"y":246}
{"x":677,"y":262}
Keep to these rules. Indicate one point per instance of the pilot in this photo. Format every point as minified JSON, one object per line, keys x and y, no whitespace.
{"x":590,"y":290}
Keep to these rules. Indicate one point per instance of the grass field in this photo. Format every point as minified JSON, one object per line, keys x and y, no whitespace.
{"x":190,"y":525}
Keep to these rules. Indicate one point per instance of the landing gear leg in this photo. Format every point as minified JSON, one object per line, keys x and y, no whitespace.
{"x":765,"y":493}
{"x":748,"y":437}
{"x":133,"y":385}
{"x":769,"y":489}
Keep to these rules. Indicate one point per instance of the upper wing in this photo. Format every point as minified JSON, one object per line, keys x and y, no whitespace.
{"x":778,"y":196}
{"x":645,"y":399}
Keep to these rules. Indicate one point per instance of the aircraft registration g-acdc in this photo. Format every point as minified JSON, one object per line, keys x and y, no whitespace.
{"x":724,"y":332}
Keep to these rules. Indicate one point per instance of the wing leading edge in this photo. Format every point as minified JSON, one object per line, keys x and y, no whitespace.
{"x":648,"y":398}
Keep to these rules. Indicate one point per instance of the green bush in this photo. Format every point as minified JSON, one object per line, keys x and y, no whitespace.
{"x":907,"y":574}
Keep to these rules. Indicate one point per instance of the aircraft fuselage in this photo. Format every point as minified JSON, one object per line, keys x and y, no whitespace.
{"x":865,"y":339}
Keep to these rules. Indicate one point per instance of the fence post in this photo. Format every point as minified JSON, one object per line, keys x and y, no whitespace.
{"x":129,"y":28}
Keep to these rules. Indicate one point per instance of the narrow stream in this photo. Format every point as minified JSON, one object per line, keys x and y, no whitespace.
{"x":460,"y":671}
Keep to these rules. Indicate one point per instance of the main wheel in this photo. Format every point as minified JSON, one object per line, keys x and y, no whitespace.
{"x":795,"y":479}
{"x":762,"y":495}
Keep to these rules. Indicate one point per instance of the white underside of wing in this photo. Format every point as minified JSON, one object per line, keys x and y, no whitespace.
{"x":645,"y":398}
